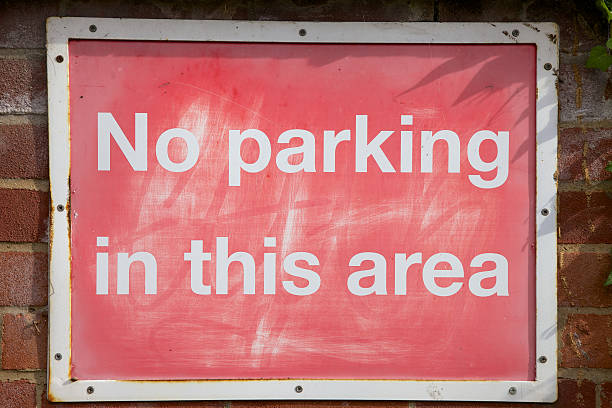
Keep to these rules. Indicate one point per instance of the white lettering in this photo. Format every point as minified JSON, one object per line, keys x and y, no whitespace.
{"x":136,"y":156}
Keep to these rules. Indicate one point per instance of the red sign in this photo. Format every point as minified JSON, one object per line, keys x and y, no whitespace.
{"x":323,"y":211}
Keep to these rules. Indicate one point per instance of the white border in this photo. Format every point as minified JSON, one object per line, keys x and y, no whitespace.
{"x":543,"y":35}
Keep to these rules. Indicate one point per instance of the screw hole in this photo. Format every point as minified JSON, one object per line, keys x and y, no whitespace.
{"x":299,"y":389}
{"x":90,"y":390}
{"x":60,"y":207}
{"x":512,"y":390}
{"x":58,"y":356}
{"x":515,"y":33}
{"x":545,"y":211}
{"x":93,"y":28}
{"x":542,"y":359}
{"x":59,"y":59}
{"x":302,"y":32}
{"x":548,"y":66}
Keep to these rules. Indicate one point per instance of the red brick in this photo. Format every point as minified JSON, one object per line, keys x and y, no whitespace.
{"x":23,"y":84}
{"x":606,"y":395}
{"x":598,"y":156}
{"x":23,"y":279}
{"x":575,"y":394}
{"x":584,"y":153}
{"x":585,"y":217}
{"x":24,"y":215}
{"x":586,"y":341}
{"x":22,"y":23}
{"x":17,"y":394}
{"x":24,"y":149}
{"x":571,"y":154}
{"x":24,"y":341}
{"x":581,"y":278}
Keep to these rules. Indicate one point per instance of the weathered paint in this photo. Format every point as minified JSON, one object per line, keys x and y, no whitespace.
{"x":211,"y":88}
{"x":449,"y":385}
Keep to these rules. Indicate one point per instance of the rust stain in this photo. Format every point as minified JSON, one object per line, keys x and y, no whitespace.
{"x":532,"y":27}
{"x":509,"y":36}
{"x":69,"y":218}
{"x":69,"y":226}
{"x":67,"y":209}
{"x":52,"y":397}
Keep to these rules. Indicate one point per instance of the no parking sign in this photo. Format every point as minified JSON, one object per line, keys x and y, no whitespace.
{"x":247,"y":210}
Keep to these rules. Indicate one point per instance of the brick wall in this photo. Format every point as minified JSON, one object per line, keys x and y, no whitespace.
{"x":585,"y":188}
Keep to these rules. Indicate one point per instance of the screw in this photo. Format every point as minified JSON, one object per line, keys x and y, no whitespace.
{"x":548,"y":66}
{"x":60,"y":207}
{"x":59,"y":59}
{"x":545,"y":212}
{"x":302,"y":32}
{"x":90,"y":390}
{"x":299,"y":389}
{"x":515,"y":33}
{"x":93,"y":28}
{"x":58,"y":356}
{"x":512,"y":390}
{"x":542,"y":359}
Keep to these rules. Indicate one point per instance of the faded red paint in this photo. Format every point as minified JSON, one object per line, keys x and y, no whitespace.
{"x":211,"y":88}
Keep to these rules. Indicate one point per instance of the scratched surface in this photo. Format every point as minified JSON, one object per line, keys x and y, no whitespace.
{"x":209,"y":89}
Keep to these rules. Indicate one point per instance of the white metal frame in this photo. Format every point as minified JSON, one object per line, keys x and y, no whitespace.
{"x":544,"y":35}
